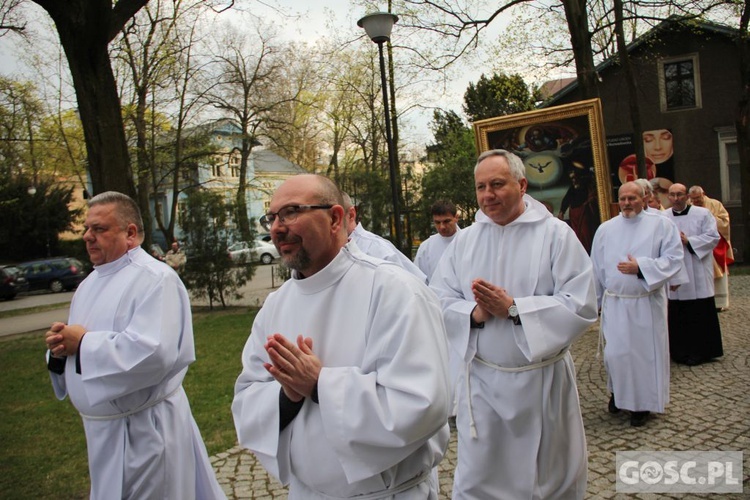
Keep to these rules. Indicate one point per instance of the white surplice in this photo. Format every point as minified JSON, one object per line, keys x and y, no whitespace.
{"x":377,"y":246}
{"x":700,"y":228}
{"x":634,"y":310}
{"x":530,"y":441}
{"x":381,"y":421}
{"x":141,"y":437}
{"x":430,"y":251}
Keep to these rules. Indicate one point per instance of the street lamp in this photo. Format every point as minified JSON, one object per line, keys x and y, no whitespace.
{"x":32,"y":191}
{"x":378,"y":26}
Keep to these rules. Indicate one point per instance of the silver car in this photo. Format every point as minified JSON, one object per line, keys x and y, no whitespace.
{"x":257,"y":251}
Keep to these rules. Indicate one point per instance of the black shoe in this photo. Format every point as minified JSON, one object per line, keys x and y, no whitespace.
{"x":611,"y":407}
{"x":690,"y":361}
{"x":638,"y":418}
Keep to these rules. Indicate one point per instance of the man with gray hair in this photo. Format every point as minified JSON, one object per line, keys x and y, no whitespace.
{"x":635,"y":255}
{"x":122,"y":357}
{"x":517,"y":289}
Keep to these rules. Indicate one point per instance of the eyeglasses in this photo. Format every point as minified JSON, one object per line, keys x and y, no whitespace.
{"x":288,"y":214}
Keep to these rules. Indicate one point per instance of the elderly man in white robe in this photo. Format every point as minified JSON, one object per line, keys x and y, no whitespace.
{"x":374,"y":245}
{"x":517,"y":289}
{"x":635,"y":255}
{"x":122,"y":358}
{"x":343,"y":390}
{"x":694,"y":330}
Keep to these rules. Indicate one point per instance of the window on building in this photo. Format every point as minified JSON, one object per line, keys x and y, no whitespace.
{"x":679,"y":83}
{"x":729,"y":167}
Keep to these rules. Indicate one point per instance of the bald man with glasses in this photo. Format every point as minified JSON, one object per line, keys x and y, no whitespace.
{"x":332,"y":398}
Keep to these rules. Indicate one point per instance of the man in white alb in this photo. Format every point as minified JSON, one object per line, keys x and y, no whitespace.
{"x":517,"y":289}
{"x":635,"y":255}
{"x":343,"y":390}
{"x":122,"y":358}
{"x":445,"y":219}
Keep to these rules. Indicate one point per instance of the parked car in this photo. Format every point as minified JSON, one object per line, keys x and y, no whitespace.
{"x":259,"y":251}
{"x":12,"y":282}
{"x":55,"y":274}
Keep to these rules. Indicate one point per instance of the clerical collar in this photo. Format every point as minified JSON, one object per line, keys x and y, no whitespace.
{"x":684,"y":212}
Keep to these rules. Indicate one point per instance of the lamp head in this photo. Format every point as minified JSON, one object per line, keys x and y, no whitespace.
{"x":378,"y":25}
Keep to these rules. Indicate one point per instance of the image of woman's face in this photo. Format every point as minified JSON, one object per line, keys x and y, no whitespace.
{"x":658,"y":145}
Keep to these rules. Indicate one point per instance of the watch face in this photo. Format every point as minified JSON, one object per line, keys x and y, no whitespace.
{"x":513,"y":311}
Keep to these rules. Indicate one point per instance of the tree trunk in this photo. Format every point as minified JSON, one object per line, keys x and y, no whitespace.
{"x":635,"y":110}
{"x":580,"y":40}
{"x":85,"y":28}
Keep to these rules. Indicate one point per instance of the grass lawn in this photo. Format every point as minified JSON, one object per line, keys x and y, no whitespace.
{"x":42,"y":446}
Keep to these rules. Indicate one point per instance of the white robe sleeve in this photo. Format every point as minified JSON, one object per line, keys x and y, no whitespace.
{"x":706,"y":240}
{"x":660,"y":270}
{"x":377,"y":415}
{"x":256,"y":407}
{"x":553,"y":319}
{"x":456,"y":308}
{"x":156,"y":341}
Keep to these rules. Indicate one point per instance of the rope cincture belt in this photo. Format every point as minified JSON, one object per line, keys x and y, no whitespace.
{"x":406,"y":485}
{"x":610,"y":293}
{"x":507,"y":369}
{"x":132,"y":412}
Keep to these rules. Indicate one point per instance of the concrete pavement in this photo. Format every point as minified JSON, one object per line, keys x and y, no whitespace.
{"x":709,"y":410}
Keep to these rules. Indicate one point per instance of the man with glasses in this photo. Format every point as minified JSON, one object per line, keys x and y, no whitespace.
{"x":343,"y":390}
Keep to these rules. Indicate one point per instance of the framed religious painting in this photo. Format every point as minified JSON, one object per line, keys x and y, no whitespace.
{"x":565,"y":154}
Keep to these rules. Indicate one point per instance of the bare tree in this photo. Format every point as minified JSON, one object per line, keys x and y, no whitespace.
{"x":10,"y":18}
{"x":244,"y":74}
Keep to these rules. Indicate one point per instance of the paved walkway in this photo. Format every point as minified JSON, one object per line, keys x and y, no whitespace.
{"x":709,"y":410}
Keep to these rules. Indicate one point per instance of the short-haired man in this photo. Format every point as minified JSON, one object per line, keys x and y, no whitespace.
{"x":343,"y":390}
{"x":694,"y":330}
{"x":723,"y":253}
{"x":517,"y":289}
{"x":635,"y":255}
{"x":445,"y":219}
{"x":122,"y":358}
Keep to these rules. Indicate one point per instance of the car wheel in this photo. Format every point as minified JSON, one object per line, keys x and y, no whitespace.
{"x":56,"y":286}
{"x":266,"y":258}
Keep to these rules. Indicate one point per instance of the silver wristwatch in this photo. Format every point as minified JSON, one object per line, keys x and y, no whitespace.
{"x":513,"y":314}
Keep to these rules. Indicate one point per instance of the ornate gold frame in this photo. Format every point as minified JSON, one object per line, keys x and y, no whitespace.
{"x":591,"y":109}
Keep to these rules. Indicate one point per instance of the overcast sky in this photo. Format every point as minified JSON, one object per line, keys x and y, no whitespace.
{"x":306,"y":20}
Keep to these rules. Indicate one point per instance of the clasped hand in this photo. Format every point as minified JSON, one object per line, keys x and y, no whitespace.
{"x":491,"y":301}
{"x":63,"y":340}
{"x":294,"y":366}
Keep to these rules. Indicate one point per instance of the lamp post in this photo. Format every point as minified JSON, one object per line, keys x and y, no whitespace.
{"x":32,"y":191}
{"x":378,"y":26}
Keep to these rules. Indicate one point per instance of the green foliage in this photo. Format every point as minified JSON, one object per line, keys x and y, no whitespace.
{"x":43,"y":447}
{"x":451,"y":177}
{"x":498,"y":95}
{"x":209,"y":272}
{"x":31,"y":223}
